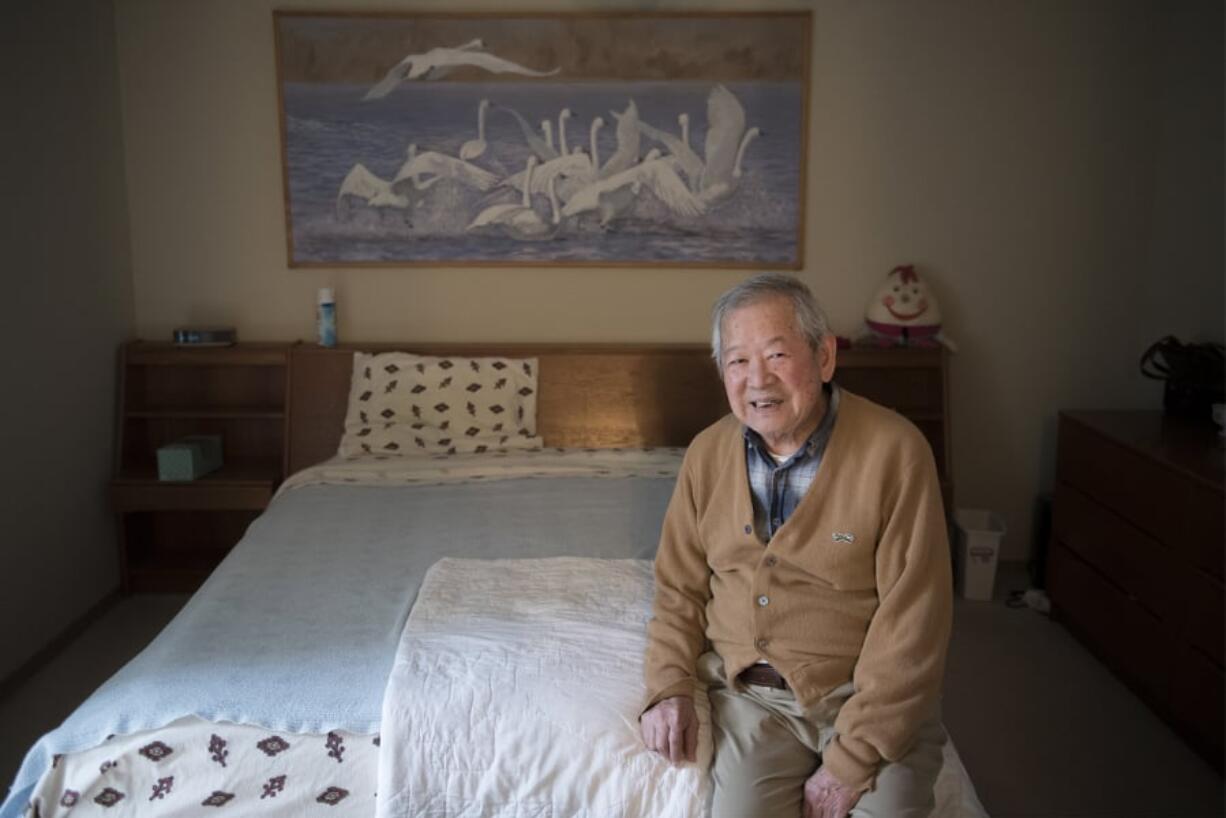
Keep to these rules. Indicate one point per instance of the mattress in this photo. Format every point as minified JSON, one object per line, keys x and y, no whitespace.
{"x":267,"y":689}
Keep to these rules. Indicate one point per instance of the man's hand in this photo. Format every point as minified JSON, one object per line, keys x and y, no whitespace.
{"x":825,"y":797}
{"x":670,"y":728}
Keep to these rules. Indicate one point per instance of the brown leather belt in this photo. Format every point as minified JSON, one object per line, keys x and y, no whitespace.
{"x":764,"y":675}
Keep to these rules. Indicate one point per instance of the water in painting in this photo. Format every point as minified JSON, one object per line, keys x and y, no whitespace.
{"x":681,"y":209}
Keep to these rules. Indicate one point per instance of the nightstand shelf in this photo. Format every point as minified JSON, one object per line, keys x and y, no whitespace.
{"x":172,"y":534}
{"x":238,"y":470}
{"x":196,"y":413}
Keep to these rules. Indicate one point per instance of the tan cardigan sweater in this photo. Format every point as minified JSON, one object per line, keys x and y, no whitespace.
{"x":856,"y":582}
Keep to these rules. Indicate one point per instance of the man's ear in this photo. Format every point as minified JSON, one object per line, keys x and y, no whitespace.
{"x":827,"y":351}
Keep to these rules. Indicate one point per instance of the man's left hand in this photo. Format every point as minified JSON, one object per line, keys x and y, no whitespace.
{"x":826,"y":797}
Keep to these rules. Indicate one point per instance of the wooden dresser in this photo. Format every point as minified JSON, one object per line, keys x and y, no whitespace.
{"x":1135,"y":567}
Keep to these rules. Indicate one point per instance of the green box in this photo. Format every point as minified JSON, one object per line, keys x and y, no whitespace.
{"x":189,"y":457}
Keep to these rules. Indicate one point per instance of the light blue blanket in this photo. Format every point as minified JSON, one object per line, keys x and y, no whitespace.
{"x":298,"y":627}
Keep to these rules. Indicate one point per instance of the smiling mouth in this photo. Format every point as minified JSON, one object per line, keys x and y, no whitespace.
{"x":765,"y":404}
{"x":907,"y":316}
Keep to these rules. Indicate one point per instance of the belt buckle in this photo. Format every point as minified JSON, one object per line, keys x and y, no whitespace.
{"x":764,"y":675}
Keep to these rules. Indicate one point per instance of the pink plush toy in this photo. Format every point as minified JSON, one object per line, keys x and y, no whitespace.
{"x":904,"y":312}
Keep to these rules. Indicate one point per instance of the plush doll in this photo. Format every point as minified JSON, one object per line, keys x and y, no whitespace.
{"x":904,"y":312}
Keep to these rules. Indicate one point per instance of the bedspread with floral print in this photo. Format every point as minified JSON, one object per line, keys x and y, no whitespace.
{"x":194,"y":767}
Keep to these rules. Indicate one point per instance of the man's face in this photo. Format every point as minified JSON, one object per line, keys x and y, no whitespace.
{"x":772,"y":377}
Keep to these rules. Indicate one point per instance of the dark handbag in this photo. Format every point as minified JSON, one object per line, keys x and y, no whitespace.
{"x":1195,"y":375}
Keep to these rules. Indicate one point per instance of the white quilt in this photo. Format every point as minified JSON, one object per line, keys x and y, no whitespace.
{"x":516,"y":690}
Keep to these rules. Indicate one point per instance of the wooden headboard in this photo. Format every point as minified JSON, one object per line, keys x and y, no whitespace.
{"x":605,"y":395}
{"x":587,"y":395}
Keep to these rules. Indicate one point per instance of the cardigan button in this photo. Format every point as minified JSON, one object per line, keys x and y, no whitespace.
{"x":763,"y":601}
{"x":748,"y":529}
{"x":772,"y":561}
{"x":761,"y":644}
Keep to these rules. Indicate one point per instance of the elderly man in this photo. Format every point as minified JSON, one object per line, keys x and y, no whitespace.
{"x":803,"y":578}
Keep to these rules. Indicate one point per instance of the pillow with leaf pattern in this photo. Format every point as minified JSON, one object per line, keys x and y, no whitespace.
{"x":405,"y":404}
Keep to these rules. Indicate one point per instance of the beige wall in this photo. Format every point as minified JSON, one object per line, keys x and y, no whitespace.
{"x":1013,"y":151}
{"x":67,"y":304}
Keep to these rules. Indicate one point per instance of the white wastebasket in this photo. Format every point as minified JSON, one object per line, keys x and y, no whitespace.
{"x":978,"y":534}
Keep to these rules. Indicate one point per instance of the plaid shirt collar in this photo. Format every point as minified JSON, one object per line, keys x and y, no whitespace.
{"x":777,"y":488}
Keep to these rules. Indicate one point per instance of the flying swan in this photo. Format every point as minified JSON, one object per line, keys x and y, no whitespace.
{"x":439,"y":62}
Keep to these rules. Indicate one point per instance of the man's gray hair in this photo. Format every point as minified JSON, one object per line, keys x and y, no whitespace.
{"x":810,"y":319}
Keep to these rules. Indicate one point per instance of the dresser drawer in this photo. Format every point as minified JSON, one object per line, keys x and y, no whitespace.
{"x":1170,"y":503}
{"x":1206,"y":612}
{"x":1143,"y":568}
{"x":1198,"y":688}
{"x":1199,"y":523}
{"x":1126,"y":637}
{"x":1133,"y":486}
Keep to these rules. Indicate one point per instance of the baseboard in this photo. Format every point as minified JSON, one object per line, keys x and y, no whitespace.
{"x":10,"y":683}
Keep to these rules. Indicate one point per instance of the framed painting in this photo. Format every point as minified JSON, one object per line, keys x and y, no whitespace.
{"x":600,"y":139}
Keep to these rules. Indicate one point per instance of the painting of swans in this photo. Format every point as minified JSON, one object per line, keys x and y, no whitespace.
{"x":596,"y":139}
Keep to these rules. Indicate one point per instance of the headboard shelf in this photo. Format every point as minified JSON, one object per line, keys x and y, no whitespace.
{"x":280,"y":407}
{"x":607,"y":395}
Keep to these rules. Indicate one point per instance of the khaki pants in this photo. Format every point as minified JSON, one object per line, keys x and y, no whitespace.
{"x":766,"y":747}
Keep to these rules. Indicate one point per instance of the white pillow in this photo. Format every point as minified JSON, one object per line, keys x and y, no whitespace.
{"x":406,"y":404}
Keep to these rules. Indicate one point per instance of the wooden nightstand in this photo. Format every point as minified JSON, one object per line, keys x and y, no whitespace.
{"x":172,"y":534}
{"x":913,"y":381}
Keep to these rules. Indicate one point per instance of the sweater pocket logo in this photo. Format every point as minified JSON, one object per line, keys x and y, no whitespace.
{"x":842,"y":536}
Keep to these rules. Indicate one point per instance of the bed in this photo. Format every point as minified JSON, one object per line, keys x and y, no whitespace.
{"x":453,"y":633}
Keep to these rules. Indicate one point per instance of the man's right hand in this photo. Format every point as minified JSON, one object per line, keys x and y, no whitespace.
{"x":670,"y":728}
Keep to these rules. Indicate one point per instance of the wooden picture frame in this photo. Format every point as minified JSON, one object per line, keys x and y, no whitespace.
{"x":407,"y":139}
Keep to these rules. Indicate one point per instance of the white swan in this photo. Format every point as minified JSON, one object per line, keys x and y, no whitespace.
{"x":563,"y":115}
{"x":547,"y":129}
{"x":725,"y":128}
{"x":543,"y":151}
{"x":573,"y":163}
{"x":749,"y":136}
{"x":495,"y":213}
{"x":439,"y":62}
{"x":611,"y":202}
{"x":474,"y":148}
{"x":574,"y":170}
{"x":628,"y":141}
{"x":580,"y":173}
{"x":597,"y":124}
{"x":520,"y":221}
{"x":716,"y":177}
{"x":716,"y":192}
{"x":654,"y":173}
{"x":688,"y":161}
{"x":662,"y":180}
{"x":362,"y":184}
{"x":441,"y":166}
